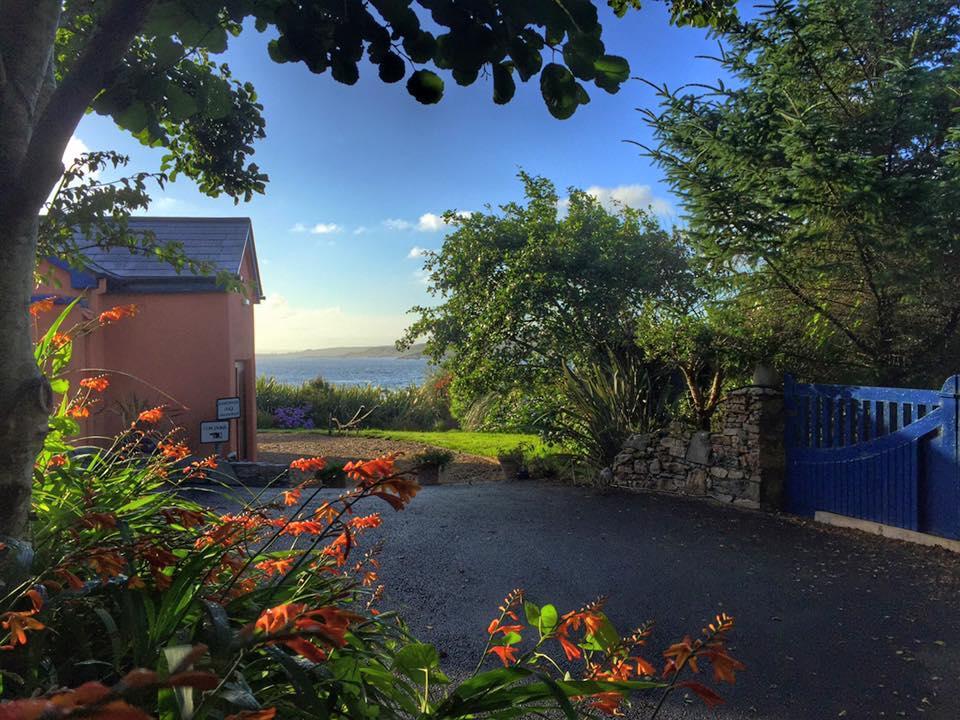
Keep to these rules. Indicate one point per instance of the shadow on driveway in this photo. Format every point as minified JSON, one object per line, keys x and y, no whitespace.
{"x":830,"y":623}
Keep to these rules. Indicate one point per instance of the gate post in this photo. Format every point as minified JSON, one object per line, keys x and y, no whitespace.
{"x":943,"y":477}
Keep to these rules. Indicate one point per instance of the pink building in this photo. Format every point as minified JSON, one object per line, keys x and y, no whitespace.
{"x":191,"y":342}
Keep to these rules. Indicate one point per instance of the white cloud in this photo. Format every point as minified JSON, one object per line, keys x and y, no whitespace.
{"x":361,"y":230}
{"x":318,"y":229}
{"x":416,"y":251}
{"x":428,"y":222}
{"x":397,"y":224}
{"x":284,"y":327}
{"x":75,"y":148}
{"x":640,"y":197}
{"x":164,"y":203}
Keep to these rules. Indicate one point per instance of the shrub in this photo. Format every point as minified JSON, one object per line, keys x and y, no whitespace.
{"x":434,"y":456}
{"x":426,"y":407}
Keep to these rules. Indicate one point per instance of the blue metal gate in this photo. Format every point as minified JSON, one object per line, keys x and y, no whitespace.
{"x":889,"y":455}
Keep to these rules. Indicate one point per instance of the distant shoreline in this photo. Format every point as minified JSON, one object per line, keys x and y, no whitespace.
{"x":374,"y":351}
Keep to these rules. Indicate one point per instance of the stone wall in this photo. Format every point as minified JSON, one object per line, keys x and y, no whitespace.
{"x":741,"y":462}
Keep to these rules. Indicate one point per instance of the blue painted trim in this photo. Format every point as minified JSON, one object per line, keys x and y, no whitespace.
{"x":59,"y":299}
{"x":79,"y":279}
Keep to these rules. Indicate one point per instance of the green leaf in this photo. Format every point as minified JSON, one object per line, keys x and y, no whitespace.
{"x":503,"y":84}
{"x":560,"y":91}
{"x":532,"y":612}
{"x":133,"y":118}
{"x":611,"y":71}
{"x":549,"y":617}
{"x":426,"y":87}
{"x":180,"y":105}
{"x":416,"y":660}
{"x":59,"y":385}
{"x":420,"y":46}
{"x":392,"y":68}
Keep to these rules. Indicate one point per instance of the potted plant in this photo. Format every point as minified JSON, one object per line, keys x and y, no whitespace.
{"x":511,"y":462}
{"x":429,"y":463}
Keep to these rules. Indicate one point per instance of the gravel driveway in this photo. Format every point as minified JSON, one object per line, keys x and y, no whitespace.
{"x":831,"y":623}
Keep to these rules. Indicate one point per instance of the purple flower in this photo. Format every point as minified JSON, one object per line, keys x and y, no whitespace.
{"x":293,"y":417}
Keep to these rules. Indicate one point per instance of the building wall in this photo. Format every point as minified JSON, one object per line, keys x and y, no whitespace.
{"x":178,"y":351}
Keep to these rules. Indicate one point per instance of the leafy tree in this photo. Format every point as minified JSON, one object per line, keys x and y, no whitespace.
{"x":536,"y":289}
{"x":149,"y":65}
{"x":821,"y":187}
{"x":705,"y":342}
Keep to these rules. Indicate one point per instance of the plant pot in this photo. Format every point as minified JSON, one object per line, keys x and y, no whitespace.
{"x":510,"y":469}
{"x":428,"y":475}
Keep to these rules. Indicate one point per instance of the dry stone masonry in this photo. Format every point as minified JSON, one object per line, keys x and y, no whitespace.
{"x":741,"y":462}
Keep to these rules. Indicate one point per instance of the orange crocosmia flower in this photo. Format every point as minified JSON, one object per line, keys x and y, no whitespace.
{"x":326,"y":513}
{"x":302,"y":527}
{"x":36,"y":600}
{"x":184,"y":517}
{"x":724,"y":666}
{"x":506,"y":653}
{"x":106,"y":563}
{"x":99,"y":519}
{"x":174,"y":451}
{"x":264,"y":714}
{"x":369,"y":578}
{"x":678,"y":654}
{"x":709,"y":697}
{"x":59,"y":339}
{"x":496,"y":627}
{"x":279,"y":566}
{"x":116,"y":313}
{"x":57,"y":461}
{"x":151,"y":416}
{"x":365,"y":522}
{"x":69,"y":578}
{"x":79,"y":411}
{"x":291,"y":497}
{"x":135,"y":582}
{"x":97,"y":384}
{"x":314,"y":464}
{"x":370,"y":470}
{"x":42,"y":306}
{"x":18,"y":623}
{"x":607,"y":702}
{"x":280,"y":618}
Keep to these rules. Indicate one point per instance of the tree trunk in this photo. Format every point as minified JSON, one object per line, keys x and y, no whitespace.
{"x":25,"y":396}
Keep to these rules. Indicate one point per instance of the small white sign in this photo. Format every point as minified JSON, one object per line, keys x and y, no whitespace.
{"x":228,"y":408}
{"x":214,"y":431}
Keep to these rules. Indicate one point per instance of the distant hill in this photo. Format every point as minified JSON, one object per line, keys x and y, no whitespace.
{"x":375,"y":351}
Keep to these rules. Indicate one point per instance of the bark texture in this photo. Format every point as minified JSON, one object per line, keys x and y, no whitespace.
{"x":25,"y":396}
{"x":37,"y":119}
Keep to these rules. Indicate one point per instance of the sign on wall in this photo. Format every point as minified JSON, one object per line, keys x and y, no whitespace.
{"x":228,"y":408}
{"x":215,"y":431}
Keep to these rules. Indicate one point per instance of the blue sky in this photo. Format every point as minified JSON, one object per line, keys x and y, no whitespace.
{"x":358,"y":174}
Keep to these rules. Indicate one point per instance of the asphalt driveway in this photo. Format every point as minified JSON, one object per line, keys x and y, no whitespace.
{"x":831,"y":623}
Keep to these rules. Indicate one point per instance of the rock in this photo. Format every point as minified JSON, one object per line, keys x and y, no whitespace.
{"x":637,"y":442}
{"x":718,"y":472}
{"x":699,"y":449}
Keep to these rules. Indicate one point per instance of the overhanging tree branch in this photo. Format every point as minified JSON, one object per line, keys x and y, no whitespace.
{"x":42,"y":164}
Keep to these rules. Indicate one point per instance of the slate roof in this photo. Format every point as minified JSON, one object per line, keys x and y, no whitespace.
{"x":218,"y":241}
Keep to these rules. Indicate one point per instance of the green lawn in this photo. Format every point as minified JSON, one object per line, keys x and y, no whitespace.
{"x":474,"y":443}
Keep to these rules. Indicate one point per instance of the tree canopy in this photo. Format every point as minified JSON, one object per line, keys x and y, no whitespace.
{"x":820,"y":188}
{"x":540,"y":286}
